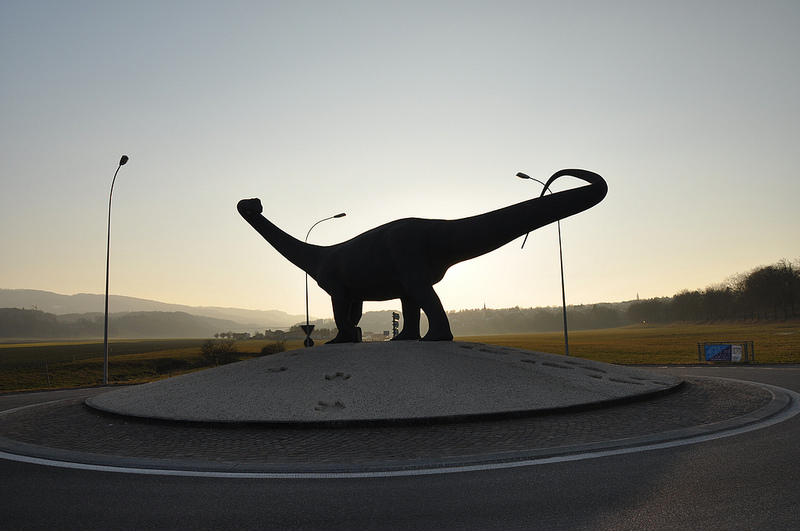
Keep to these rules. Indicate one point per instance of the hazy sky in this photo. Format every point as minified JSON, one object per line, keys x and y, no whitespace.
{"x":384,"y":110}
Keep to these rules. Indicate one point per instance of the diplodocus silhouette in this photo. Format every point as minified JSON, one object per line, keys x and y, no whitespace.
{"x":405,"y":258}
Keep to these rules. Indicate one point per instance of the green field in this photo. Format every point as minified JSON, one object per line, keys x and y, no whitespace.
{"x":660,"y":344}
{"x":28,"y":366}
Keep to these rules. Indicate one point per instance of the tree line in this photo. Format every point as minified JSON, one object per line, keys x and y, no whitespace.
{"x":525,"y":320}
{"x":766,"y":292}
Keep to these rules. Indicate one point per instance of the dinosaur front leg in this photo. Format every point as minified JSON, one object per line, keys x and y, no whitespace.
{"x":342,"y":308}
{"x":410,"y":330}
{"x":356,"y":310}
{"x":438,"y":325}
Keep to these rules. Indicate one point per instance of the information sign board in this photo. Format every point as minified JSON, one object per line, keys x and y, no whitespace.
{"x":723,"y":352}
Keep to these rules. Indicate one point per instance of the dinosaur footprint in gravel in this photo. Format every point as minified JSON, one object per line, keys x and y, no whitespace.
{"x":326,"y":406}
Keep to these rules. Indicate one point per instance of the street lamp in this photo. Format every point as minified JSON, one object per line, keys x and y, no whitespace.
{"x":307,"y":329}
{"x":561,"y":260}
{"x":122,"y":162}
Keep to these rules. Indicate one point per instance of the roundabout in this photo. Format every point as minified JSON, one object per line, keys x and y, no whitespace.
{"x":645,"y":464}
{"x":544,"y":409}
{"x":384,"y":384}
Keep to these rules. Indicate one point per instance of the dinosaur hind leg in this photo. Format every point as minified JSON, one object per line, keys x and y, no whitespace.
{"x":438,"y":325}
{"x":410,"y":330}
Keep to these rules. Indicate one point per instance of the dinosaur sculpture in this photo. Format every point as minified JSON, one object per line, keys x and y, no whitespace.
{"x":405,"y":258}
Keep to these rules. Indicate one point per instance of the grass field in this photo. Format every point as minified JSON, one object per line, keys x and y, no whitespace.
{"x":660,"y":344}
{"x":29,"y":366}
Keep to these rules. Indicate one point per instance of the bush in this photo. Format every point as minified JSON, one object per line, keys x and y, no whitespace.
{"x":216,"y":352}
{"x":273,"y":348}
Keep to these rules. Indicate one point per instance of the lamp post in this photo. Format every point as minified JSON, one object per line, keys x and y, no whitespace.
{"x":122,"y":162}
{"x":561,"y":260}
{"x":308,"y":341}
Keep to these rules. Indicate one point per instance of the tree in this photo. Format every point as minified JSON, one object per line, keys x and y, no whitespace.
{"x":719,"y":302}
{"x":273,"y":348}
{"x":687,"y":306}
{"x":648,"y":311}
{"x":215,"y":352}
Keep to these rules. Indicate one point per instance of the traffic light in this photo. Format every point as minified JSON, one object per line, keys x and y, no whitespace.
{"x":395,"y":324}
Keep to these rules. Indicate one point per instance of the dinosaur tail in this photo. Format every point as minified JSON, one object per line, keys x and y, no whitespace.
{"x":303,"y":255}
{"x":477,"y":235}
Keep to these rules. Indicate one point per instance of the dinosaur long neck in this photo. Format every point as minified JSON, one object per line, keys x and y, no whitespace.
{"x":303,"y":255}
{"x":474,"y":236}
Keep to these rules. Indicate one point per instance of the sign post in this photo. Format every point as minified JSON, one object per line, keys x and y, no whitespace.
{"x":308,"y":328}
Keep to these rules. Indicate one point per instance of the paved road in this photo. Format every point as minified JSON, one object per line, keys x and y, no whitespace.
{"x":747,"y":481}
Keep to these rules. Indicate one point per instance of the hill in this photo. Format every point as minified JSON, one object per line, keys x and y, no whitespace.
{"x":16,"y":323}
{"x":86,"y":303}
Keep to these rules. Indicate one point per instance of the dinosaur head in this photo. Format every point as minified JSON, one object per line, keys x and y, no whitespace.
{"x":250,"y":207}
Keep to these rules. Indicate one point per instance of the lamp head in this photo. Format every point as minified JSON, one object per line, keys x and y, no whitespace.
{"x":123,"y":160}
{"x":340,"y":215}
{"x":522,"y":176}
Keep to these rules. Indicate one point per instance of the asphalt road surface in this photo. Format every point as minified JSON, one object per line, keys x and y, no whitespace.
{"x":745,"y":481}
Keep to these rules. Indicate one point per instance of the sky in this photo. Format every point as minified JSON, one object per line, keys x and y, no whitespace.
{"x":386,"y":110}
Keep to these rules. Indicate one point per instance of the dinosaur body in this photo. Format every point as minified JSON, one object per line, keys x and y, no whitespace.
{"x":404,"y":259}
